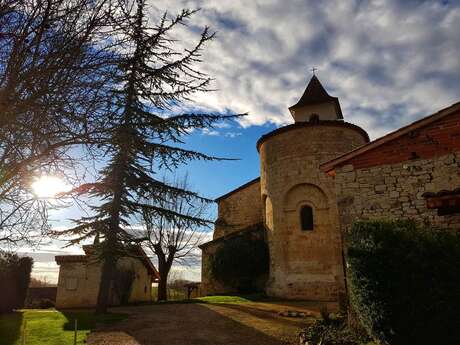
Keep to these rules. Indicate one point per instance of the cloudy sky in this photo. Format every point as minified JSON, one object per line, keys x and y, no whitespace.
{"x":389,"y":62}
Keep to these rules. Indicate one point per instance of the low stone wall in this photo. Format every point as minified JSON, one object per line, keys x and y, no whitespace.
{"x":395,"y":191}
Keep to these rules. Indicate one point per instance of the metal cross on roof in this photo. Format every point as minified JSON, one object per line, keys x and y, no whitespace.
{"x":313,"y":70}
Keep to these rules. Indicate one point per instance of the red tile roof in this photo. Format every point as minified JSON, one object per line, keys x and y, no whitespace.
{"x":343,"y":159}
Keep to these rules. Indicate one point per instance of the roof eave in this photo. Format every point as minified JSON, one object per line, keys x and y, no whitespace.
{"x":237,"y":189}
{"x":310,"y":124}
{"x":341,"y":160}
{"x":70,"y":258}
{"x":248,"y":229}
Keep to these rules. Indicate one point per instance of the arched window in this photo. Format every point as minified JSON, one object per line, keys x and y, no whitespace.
{"x":306,"y":218}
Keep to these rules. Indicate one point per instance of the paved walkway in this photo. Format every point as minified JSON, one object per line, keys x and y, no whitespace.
{"x":250,"y":323}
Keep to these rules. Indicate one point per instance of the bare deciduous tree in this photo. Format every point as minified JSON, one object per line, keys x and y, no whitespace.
{"x":174,"y":239}
{"x":53,"y":70}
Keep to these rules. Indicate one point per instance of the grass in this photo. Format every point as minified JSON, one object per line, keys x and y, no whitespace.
{"x":50,"y":326}
{"x":230,"y":298}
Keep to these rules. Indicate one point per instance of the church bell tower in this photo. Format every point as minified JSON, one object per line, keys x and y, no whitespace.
{"x":316,"y":105}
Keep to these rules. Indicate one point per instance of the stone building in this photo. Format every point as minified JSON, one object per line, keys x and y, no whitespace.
{"x":79,"y":278}
{"x":321,"y":173}
{"x":295,"y":201}
{"x":411,"y":173}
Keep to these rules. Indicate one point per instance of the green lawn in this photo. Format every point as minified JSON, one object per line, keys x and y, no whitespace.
{"x":235,"y":299}
{"x":231,"y":298}
{"x":50,"y":326}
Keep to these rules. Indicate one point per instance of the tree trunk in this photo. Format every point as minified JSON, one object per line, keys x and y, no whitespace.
{"x":163,"y":269}
{"x":162,"y":290}
{"x":109,"y":259}
{"x":105,"y":283}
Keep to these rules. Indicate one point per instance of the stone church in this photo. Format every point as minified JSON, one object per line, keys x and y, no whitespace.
{"x":321,"y":173}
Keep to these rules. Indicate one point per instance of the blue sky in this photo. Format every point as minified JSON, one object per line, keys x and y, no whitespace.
{"x":389,"y":62}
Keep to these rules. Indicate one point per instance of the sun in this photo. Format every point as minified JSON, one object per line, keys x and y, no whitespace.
{"x":49,"y":186}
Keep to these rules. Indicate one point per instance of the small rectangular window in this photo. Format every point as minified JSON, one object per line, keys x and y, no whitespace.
{"x":306,"y":218}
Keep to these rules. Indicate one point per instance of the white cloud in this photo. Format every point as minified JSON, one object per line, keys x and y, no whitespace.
{"x":397,"y":60}
{"x":233,"y":134}
{"x":207,"y":131}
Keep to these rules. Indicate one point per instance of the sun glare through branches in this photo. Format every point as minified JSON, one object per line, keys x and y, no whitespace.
{"x":49,"y":186}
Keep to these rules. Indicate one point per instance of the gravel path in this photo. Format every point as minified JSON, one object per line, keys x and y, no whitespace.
{"x":205,"y":324}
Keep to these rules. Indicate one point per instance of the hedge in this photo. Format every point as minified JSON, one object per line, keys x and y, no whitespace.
{"x":404,"y":282}
{"x":14,"y":279}
{"x":240,"y":262}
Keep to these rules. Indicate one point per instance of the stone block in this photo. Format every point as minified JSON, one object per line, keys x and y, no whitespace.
{"x":380,"y":188}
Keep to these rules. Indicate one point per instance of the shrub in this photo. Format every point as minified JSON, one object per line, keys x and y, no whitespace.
{"x":14,"y":277}
{"x":42,"y":303}
{"x":241,"y":261}
{"x":330,"y":332}
{"x":404,"y":282}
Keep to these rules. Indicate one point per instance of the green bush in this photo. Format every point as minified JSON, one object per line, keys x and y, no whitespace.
{"x":14,"y":279}
{"x":331,"y":332}
{"x":240,"y":262}
{"x":404,"y":282}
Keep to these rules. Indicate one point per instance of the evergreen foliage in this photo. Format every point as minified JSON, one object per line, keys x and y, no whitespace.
{"x":14,"y":277}
{"x":241,"y":261}
{"x":403,"y":282}
{"x":154,"y":76}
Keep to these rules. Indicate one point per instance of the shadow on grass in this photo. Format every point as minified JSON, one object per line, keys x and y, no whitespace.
{"x":88,"y":320}
{"x":10,"y":327}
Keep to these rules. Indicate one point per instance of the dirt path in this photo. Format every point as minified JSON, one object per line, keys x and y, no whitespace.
{"x":206,"y":324}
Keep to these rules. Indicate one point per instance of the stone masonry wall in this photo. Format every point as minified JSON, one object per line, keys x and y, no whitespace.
{"x":141,"y":290}
{"x":84,"y":293}
{"x":394,"y":191}
{"x":304,"y":264}
{"x":86,"y":276}
{"x":388,"y":181}
{"x":239,"y":210}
